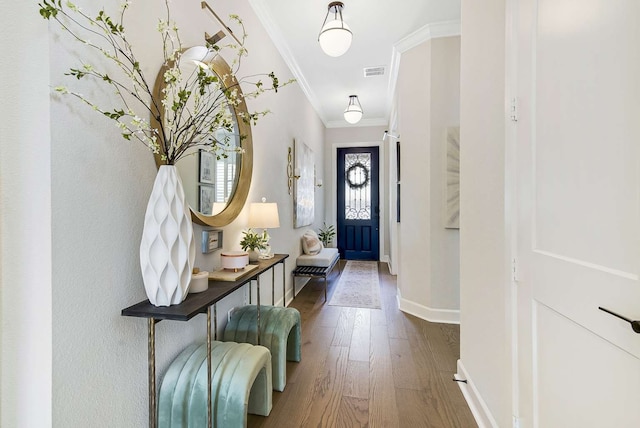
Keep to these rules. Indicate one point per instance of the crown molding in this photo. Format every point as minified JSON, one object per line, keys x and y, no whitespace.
{"x":428,"y":32}
{"x":279,"y":41}
{"x":421,"y":35}
{"x":376,"y":121}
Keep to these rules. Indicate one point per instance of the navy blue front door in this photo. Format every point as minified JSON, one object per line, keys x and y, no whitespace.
{"x":358,"y":203}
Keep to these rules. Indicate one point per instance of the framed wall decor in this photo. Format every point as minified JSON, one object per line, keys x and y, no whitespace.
{"x":452,"y":191}
{"x":303,"y":195}
{"x":207,"y":162}
{"x":207,"y":197}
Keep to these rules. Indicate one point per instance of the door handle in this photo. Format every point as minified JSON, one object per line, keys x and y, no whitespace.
{"x":635,"y":325}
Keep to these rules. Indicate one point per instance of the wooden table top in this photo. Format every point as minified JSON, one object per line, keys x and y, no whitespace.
{"x":198,"y":303}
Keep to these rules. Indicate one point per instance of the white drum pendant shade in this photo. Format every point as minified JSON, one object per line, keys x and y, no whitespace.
{"x":167,"y":250}
{"x":335,"y":38}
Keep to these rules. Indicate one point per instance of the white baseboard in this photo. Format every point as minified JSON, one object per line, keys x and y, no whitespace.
{"x":386,"y":259}
{"x":445,"y":316}
{"x":478,"y":407}
{"x":299,"y":282}
{"x":289,"y":295}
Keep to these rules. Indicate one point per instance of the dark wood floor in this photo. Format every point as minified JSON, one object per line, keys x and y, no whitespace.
{"x":369,"y":368}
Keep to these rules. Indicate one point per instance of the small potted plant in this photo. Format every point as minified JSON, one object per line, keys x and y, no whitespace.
{"x":253,"y":242}
{"x":326,"y":234}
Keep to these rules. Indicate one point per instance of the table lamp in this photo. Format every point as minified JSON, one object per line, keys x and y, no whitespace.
{"x":264,"y":215}
{"x":218,"y":207}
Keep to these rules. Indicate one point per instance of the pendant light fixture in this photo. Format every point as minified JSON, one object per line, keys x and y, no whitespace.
{"x":335,"y":36}
{"x":353,"y":113}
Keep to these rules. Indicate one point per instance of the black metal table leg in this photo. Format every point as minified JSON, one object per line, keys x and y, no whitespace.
{"x":258,"y":308}
{"x":151,"y":355}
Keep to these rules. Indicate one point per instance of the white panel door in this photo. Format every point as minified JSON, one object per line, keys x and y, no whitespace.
{"x":578,"y":168}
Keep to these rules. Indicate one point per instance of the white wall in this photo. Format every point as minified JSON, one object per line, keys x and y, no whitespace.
{"x":414,"y":112}
{"x":100,"y":184}
{"x":25,"y":220}
{"x":445,"y":113}
{"x":485,"y":338}
{"x":428,"y":103}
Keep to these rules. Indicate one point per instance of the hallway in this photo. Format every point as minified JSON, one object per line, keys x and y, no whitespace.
{"x":369,"y":367}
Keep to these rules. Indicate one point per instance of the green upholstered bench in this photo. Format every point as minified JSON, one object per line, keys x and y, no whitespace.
{"x":280,"y":331}
{"x":241,"y":383}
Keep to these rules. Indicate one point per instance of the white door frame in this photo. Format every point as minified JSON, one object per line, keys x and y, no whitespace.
{"x":511,"y":198}
{"x":382,"y":186}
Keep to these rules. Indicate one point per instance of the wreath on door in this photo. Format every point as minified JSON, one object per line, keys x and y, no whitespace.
{"x":357,"y":171}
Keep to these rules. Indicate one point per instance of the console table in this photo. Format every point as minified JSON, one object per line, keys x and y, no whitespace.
{"x":196,"y":304}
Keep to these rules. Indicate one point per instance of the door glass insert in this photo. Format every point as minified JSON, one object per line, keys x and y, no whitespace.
{"x":357,"y":176}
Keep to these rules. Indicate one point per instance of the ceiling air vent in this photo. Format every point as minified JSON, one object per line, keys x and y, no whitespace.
{"x":373,"y":71}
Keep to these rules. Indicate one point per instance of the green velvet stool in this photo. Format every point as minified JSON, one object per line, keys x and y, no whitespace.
{"x":241,"y":383}
{"x":280,"y":333}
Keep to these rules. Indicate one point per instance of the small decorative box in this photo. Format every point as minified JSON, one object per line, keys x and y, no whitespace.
{"x":234,"y":260}
{"x":199,"y":282}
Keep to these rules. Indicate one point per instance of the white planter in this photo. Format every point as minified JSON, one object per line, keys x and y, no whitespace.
{"x":167,"y":250}
{"x":254,"y":255}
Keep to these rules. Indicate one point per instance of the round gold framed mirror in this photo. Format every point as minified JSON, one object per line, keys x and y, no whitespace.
{"x":216,"y":187}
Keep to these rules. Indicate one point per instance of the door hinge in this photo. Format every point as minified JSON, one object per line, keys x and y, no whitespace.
{"x":513,"y":110}
{"x":514,"y":270}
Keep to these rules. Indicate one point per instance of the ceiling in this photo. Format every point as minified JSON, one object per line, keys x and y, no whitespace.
{"x":381,"y":32}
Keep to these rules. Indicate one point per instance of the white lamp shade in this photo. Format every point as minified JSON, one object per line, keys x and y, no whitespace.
{"x":263,"y":215}
{"x":218,"y":207}
{"x":335,"y":38}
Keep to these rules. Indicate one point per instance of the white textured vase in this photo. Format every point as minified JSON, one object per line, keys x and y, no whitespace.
{"x":167,"y":250}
